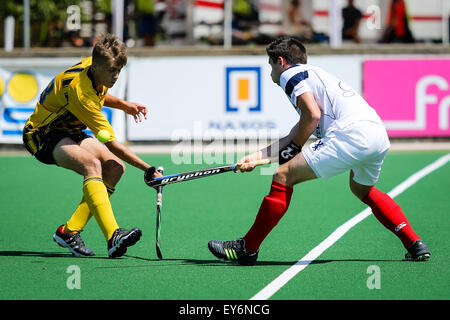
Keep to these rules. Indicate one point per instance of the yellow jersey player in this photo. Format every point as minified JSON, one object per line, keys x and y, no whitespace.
{"x":54,"y":134}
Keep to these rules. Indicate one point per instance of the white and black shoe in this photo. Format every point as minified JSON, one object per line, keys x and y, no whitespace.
{"x":232,"y":251}
{"x":121,"y":240}
{"x":418,"y":251}
{"x":73,"y":242}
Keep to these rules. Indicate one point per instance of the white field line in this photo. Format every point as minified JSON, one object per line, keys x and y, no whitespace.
{"x":290,"y":273}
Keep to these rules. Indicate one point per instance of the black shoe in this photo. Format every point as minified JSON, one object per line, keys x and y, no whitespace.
{"x":418,"y":251}
{"x":121,"y":239}
{"x":232,"y":251}
{"x":73,"y":242}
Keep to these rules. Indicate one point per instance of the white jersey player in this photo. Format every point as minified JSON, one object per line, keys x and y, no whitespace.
{"x":352,"y":139}
{"x":339,"y":104}
{"x":342,"y":110}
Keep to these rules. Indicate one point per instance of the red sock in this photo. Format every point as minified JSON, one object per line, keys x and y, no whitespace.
{"x":272,"y":209}
{"x":389,"y":213}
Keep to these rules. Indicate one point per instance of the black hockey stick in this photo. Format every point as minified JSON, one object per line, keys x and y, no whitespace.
{"x":196,"y":174}
{"x":158,"y":216}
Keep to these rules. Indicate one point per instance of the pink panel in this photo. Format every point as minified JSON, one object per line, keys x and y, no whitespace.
{"x":412,"y":97}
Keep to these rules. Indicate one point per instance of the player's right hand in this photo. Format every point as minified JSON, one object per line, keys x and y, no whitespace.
{"x":245,"y":164}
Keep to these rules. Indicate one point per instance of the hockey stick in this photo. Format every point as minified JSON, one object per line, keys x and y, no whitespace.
{"x":196,"y":174}
{"x":158,"y":217}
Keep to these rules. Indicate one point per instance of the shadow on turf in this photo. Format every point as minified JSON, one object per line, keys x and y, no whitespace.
{"x":216,"y":262}
{"x":40,"y":254}
{"x":211,"y":262}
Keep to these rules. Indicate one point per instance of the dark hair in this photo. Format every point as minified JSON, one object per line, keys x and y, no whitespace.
{"x":289,"y":48}
{"x":109,"y":48}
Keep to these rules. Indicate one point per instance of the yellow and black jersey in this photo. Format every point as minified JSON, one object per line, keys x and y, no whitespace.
{"x":70,"y":103}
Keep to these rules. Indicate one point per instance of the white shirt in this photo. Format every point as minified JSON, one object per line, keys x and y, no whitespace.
{"x":340,"y":104}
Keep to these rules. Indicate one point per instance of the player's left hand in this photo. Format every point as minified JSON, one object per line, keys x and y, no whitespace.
{"x":138,"y":111}
{"x":151,"y":173}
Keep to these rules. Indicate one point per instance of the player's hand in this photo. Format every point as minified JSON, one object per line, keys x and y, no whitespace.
{"x":151,"y":174}
{"x":245,"y":164}
{"x":138,"y":111}
{"x":157,"y":174}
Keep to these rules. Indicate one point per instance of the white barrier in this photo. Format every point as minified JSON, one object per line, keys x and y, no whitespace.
{"x":202,"y":98}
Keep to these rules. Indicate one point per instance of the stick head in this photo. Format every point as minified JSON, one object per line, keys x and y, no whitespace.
{"x":158,"y":250}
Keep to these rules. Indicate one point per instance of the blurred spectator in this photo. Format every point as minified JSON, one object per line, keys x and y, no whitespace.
{"x":174,"y":21}
{"x":352,"y":18}
{"x":245,"y":10}
{"x":146,"y":21}
{"x":245,"y":22}
{"x":160,"y":13}
{"x":397,"y":29}
{"x":297,"y":26}
{"x":74,"y":39}
{"x":53,"y":34}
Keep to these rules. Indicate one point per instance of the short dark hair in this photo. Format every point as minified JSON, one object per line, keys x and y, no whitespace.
{"x":109,"y":48}
{"x":289,"y":48}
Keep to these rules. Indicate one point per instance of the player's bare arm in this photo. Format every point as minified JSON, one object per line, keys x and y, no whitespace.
{"x":270,"y":152}
{"x":287,"y":147}
{"x":309,"y":119}
{"x":137,"y":110}
{"x":129,"y":156}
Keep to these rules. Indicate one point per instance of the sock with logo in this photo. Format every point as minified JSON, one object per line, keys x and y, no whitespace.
{"x":96,"y":196}
{"x":82,"y":214}
{"x":389,"y":213}
{"x":272,"y":209}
